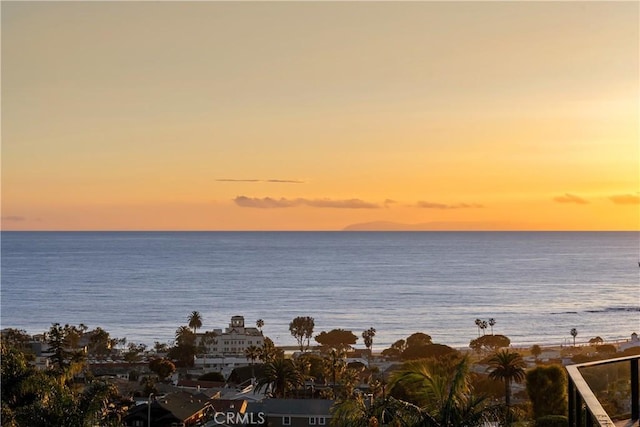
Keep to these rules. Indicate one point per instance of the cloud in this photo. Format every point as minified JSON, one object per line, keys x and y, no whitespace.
{"x":13,"y":218}
{"x":270,"y":203}
{"x":278,"y":181}
{"x":285,"y":181}
{"x":570,"y":198}
{"x":625,"y":199}
{"x":431,"y":205}
{"x":339,"y":204}
{"x":264,"y":203}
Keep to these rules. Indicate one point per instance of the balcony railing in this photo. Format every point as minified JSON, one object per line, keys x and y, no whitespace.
{"x":585,"y":410}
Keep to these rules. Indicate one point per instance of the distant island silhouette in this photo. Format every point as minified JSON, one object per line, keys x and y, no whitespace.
{"x":428,"y":226}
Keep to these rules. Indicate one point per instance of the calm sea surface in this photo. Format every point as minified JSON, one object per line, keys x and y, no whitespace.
{"x":143,"y":285}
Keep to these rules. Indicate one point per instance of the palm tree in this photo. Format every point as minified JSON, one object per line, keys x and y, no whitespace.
{"x":507,"y":366}
{"x":349,"y":381}
{"x":195,"y":320}
{"x":184,"y":336}
{"x":268,"y":352}
{"x":483,"y":326}
{"x":334,"y":364}
{"x":351,"y":413}
{"x":38,"y":398}
{"x":303,"y":367}
{"x":358,"y":412}
{"x":478,"y":324}
{"x":492,"y":322}
{"x":281,"y":375}
{"x":252,"y":353}
{"x":442,"y":388}
{"x":367,"y":336}
{"x":574,"y":334}
{"x":260,"y":324}
{"x":185,"y":346}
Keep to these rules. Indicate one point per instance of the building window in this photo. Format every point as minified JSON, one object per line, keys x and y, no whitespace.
{"x":312,"y":421}
{"x":286,"y":421}
{"x":321,"y":421}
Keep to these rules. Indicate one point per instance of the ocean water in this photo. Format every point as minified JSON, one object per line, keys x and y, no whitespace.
{"x":143,"y":285}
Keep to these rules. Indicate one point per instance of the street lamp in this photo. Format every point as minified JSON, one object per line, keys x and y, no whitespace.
{"x":149,"y":410}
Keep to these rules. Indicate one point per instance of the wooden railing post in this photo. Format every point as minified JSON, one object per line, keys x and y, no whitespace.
{"x":578,"y":408}
{"x":635,"y":392}
{"x":572,"y":403}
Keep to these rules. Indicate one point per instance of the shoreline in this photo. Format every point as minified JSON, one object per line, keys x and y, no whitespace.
{"x":376,"y":349}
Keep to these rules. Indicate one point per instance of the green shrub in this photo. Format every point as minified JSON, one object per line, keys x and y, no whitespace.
{"x":547,"y":389}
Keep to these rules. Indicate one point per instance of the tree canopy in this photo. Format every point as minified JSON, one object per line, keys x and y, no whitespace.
{"x":67,"y":358}
{"x":536,"y":350}
{"x":395,"y":350}
{"x":185,"y":349}
{"x":424,"y":351}
{"x":489,"y":342}
{"x":418,"y":339}
{"x":417,"y":346}
{"x":336,"y":338}
{"x":35,"y":398}
{"x":547,"y":389}
{"x":301,"y":329}
{"x":162,"y":367}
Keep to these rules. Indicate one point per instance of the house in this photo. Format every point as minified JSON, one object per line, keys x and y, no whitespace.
{"x":185,"y":409}
{"x":297,"y":412}
{"x":213,"y":389}
{"x":174,"y":409}
{"x":231,"y":412}
{"x":634,"y":342}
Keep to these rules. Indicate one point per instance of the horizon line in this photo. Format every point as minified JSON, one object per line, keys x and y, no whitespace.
{"x":316,"y":231}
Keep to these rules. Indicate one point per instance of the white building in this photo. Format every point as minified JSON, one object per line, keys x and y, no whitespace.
{"x":223,"y":364}
{"x":634,"y":342}
{"x":232,"y":342}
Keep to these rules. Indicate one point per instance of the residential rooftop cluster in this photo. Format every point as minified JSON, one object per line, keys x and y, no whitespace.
{"x":237,"y":376}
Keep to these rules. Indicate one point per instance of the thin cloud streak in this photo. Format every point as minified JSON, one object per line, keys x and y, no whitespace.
{"x":340,"y":204}
{"x":285,"y":181}
{"x":271,"y":203}
{"x":13,"y":218}
{"x":625,"y":199}
{"x":570,"y":198}
{"x":431,"y":205}
{"x":277,"y":181}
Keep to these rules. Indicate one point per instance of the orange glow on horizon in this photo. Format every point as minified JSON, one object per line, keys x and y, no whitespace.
{"x":316,"y":116}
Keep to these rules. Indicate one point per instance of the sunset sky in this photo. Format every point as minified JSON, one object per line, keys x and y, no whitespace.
{"x":318,"y":115}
